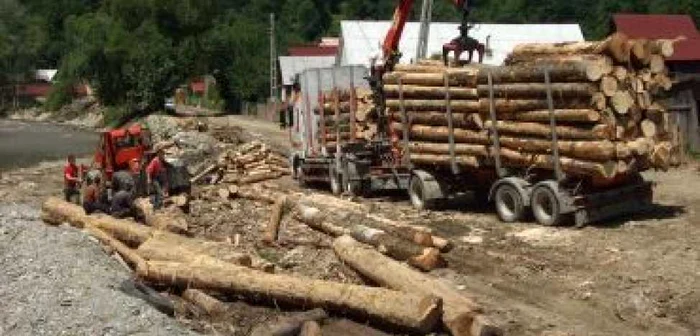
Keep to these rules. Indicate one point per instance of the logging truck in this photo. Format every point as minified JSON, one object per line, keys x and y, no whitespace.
{"x":327,"y":136}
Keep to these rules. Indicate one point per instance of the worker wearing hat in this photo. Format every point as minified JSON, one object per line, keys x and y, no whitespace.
{"x":157,"y":178}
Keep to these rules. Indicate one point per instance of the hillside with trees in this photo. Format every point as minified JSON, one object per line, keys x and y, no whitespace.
{"x":134,"y":52}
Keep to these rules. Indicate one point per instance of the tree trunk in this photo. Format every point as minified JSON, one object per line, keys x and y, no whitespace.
{"x":539,"y":90}
{"x":605,"y":170}
{"x":172,"y":221}
{"x":256,"y":194}
{"x":310,"y":328}
{"x":444,"y":148}
{"x":462,"y":316}
{"x":169,"y":247}
{"x":57,"y":211}
{"x":433,"y":105}
{"x":597,"y":132}
{"x":441,"y":134}
{"x":560,"y":115}
{"x":456,"y":78}
{"x":273,"y":224}
{"x":429,"y":92}
{"x":444,"y":160}
{"x":435,"y":118}
{"x":424,"y":258}
{"x":589,"y":150}
{"x":580,"y":68}
{"x":206,"y":302}
{"x":410,"y":311}
{"x":608,"y":85}
{"x":316,"y":220}
{"x":517,"y":105}
{"x":289,"y":326}
{"x":613,"y":46}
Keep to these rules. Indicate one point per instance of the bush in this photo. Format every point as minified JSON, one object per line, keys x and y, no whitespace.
{"x":115,"y":116}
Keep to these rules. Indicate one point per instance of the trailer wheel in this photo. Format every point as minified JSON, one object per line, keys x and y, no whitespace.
{"x":418,"y":195}
{"x":336,"y":184}
{"x":509,"y":203}
{"x":545,"y":206}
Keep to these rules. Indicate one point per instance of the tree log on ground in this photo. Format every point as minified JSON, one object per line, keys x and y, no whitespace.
{"x":539,"y":90}
{"x":310,"y":328}
{"x":164,"y":247}
{"x":622,"y":102}
{"x":206,"y":302}
{"x":315,"y":219}
{"x":273,"y":224}
{"x":170,"y":220}
{"x":406,"y":310}
{"x":56,"y":211}
{"x":664,"y":48}
{"x":424,"y":258}
{"x":462,"y":316}
{"x":289,"y":326}
{"x":254,"y":178}
{"x":129,"y":255}
{"x":641,"y":51}
{"x":428,"y":92}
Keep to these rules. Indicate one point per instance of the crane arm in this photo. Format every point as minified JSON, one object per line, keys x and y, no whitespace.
{"x":393,"y":36}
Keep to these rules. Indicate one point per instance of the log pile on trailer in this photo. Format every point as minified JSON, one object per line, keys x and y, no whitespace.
{"x":345,"y":116}
{"x":606,"y":109}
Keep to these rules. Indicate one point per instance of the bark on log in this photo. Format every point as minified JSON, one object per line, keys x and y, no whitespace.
{"x":438,"y":67}
{"x":289,"y":326}
{"x":206,"y":302}
{"x":256,"y":194}
{"x":129,"y":255}
{"x":420,"y":235}
{"x":605,"y":170}
{"x":641,"y":51}
{"x":429,"y":92}
{"x":517,"y":105}
{"x":254,"y":178}
{"x":596,"y":132}
{"x":433,"y":105}
{"x":444,"y":148}
{"x":589,"y":150}
{"x":421,"y":257}
{"x":273,"y":224}
{"x":539,"y":90}
{"x":560,"y":115}
{"x":203,"y":173}
{"x":410,"y":311}
{"x":169,"y":221}
{"x":662,"y":47}
{"x":165,"y":247}
{"x":314,"y":218}
{"x":462,"y":316}
{"x":441,"y":133}
{"x":614,"y":46}
{"x":608,"y":85}
{"x":599,"y":101}
{"x":444,"y":160}
{"x":661,"y":155}
{"x":435,"y":118}
{"x":456,"y":78}
{"x":57,"y":211}
{"x":579,"y":68}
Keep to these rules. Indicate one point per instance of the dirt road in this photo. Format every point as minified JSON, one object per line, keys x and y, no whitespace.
{"x":637,"y":275}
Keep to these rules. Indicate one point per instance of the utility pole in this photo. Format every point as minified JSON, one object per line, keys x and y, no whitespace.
{"x":426,"y":16}
{"x":273,"y":66}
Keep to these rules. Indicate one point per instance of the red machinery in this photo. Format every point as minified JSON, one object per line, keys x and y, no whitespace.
{"x":122,"y":149}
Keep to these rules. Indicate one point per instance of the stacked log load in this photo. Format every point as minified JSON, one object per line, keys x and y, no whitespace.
{"x":338,"y":122}
{"x":606,"y":100}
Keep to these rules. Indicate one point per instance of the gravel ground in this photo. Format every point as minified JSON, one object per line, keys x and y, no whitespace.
{"x":58,"y":281}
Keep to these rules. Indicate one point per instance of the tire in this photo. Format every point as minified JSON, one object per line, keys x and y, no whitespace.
{"x":545,"y":206}
{"x":416,"y":191}
{"x":335,"y":181}
{"x":351,"y":184}
{"x":509,"y":203}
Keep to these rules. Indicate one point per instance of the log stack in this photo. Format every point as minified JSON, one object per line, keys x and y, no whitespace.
{"x":338,"y":107}
{"x":606,"y":102}
{"x":251,"y":163}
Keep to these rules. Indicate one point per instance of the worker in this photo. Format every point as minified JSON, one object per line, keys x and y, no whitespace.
{"x":92,"y":200}
{"x":156,"y":179}
{"x":122,"y":203}
{"x":71,"y":180}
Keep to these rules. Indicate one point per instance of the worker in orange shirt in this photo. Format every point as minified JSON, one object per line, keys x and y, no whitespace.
{"x":157,"y":178}
{"x":71,"y":180}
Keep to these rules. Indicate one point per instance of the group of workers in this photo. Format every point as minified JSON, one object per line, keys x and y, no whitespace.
{"x":96,"y":198}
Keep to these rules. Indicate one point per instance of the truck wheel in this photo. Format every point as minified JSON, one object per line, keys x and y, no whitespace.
{"x":545,"y":206}
{"x":336,"y":184}
{"x":509,"y":203}
{"x":417,"y":193}
{"x":350,"y":180}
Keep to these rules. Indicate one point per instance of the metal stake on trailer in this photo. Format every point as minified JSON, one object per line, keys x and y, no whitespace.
{"x":405,"y":125}
{"x":450,"y":124}
{"x":307,"y":113}
{"x":553,"y":127}
{"x":337,"y":118}
{"x":496,"y":150}
{"x":353,"y":104}
{"x":321,"y":102}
